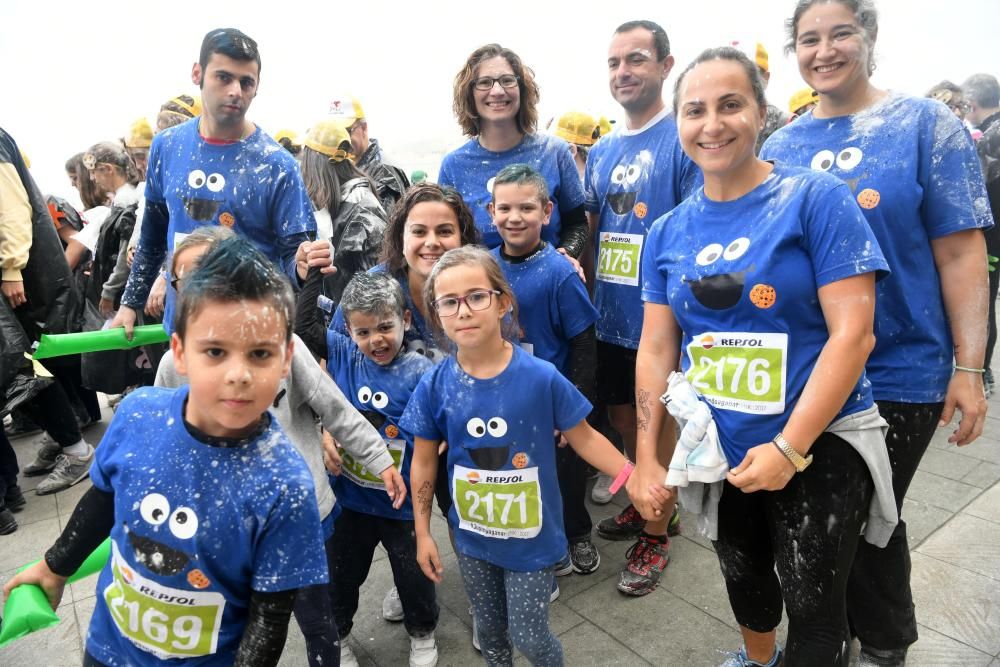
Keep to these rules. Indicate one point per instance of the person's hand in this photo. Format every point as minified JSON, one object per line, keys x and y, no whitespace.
{"x":572,"y":260}
{"x":314,"y":253}
{"x":394,"y":486}
{"x":124,"y":318}
{"x":764,"y":468}
{"x":965,"y":392}
{"x":646,"y":490}
{"x":331,"y":455}
{"x":130,"y":256}
{"x":428,"y":558}
{"x":106,"y":306}
{"x":14,"y":291}
{"x":40,"y":575}
{"x":157,"y":296}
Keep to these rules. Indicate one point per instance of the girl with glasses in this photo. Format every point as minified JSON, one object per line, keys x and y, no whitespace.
{"x":496,"y":406}
{"x":495,"y":101}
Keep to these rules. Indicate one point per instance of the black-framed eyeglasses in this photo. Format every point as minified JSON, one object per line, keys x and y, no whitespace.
{"x":505,"y":81}
{"x":960,"y":107}
{"x":478,"y":300}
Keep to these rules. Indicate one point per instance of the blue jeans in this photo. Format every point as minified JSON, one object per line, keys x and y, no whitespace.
{"x":510,"y":604}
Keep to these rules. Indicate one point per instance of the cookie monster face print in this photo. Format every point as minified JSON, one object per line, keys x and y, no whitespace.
{"x":484,"y":449}
{"x":628,"y":181}
{"x":720,"y":291}
{"x":156,"y":518}
{"x":846,"y":164}
{"x":205,"y":196}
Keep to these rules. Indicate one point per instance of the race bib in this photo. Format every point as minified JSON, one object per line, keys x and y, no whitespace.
{"x":362,"y":476}
{"x":737,"y":371}
{"x":167,"y":622}
{"x":500,"y":504}
{"x":618,"y":258}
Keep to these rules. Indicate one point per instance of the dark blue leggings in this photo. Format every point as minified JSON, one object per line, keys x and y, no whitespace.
{"x":511,"y":605}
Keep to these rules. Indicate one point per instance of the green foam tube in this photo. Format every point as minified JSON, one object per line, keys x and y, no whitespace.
{"x":58,"y":345}
{"x":27,"y":608}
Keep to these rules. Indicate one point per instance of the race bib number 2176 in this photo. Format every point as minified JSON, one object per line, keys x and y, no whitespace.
{"x":740,"y":371}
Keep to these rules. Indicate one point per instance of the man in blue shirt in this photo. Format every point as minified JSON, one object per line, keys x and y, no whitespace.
{"x":221,"y":169}
{"x":634,"y":175}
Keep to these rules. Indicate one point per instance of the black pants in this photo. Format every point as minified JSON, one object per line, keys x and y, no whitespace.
{"x":991,"y":340}
{"x":809,"y":530}
{"x":879,"y":600}
{"x":67,"y":371}
{"x":357,"y":536}
{"x":52,"y":411}
{"x":8,"y":466}
{"x":572,"y":472}
{"x":314,"y":613}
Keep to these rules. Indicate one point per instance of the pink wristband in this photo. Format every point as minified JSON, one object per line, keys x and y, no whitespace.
{"x":622,"y":477}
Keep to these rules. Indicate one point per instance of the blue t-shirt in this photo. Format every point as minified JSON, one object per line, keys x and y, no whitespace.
{"x":741,"y":278}
{"x":552,"y":303}
{"x":252,"y":186}
{"x":197,"y":529}
{"x":501,"y":456}
{"x":633,"y":177}
{"x":470,"y":169}
{"x":418,"y":338}
{"x":913,"y":169}
{"x":380,"y":393}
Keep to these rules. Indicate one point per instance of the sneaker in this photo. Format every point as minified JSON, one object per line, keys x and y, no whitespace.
{"x":647,"y":559}
{"x":423,"y":651}
{"x":554,"y":595}
{"x":347,"y":658}
{"x":674,"y":525}
{"x":68,"y":471}
{"x":20,"y":426}
{"x":8,"y":524}
{"x":601,"y":493}
{"x":475,"y":635}
{"x":584,"y":556}
{"x":45,"y":458}
{"x":873,"y":657}
{"x":392,"y":606}
{"x":740,"y":659}
{"x":624,"y":526}
{"x":14,"y":499}
{"x":564,"y":566}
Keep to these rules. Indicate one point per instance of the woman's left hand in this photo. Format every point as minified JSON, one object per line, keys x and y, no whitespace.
{"x":965,"y":392}
{"x":764,"y":468}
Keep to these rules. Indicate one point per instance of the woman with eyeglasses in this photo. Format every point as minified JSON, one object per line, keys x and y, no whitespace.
{"x":495,"y":101}
{"x":912,"y":168}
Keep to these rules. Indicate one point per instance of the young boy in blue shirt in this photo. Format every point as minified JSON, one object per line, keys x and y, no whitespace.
{"x":378,"y":376}
{"x":557,"y":325}
{"x":211,"y":510}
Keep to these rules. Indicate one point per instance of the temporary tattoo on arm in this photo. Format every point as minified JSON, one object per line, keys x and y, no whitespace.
{"x":424,"y":496}
{"x":644,"y":414}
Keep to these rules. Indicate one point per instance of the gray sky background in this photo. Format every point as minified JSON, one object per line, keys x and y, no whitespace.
{"x":80,"y":73}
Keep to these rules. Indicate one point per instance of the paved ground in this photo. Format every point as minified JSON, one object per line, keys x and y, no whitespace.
{"x":953,"y":513}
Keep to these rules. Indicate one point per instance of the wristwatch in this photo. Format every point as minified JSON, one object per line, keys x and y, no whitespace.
{"x":800,"y":462}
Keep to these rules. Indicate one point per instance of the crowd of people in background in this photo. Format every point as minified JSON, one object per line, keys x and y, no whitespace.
{"x":759,"y":315}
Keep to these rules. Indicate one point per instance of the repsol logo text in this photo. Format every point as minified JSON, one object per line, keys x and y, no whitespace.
{"x":502,"y":480}
{"x":741,"y":342}
{"x":157,"y":595}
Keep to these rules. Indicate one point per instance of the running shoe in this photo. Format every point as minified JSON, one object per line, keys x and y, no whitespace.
{"x":68,"y":471}
{"x":347,"y":657}
{"x":647,"y":559}
{"x":873,"y":657}
{"x":601,"y":493}
{"x":564,"y":566}
{"x":45,"y":458}
{"x":740,"y":659}
{"x":392,"y":606}
{"x":423,"y":651}
{"x":624,"y":526}
{"x":584,"y":556}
